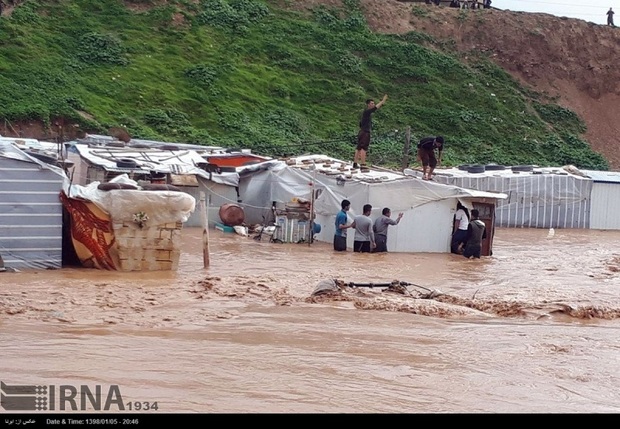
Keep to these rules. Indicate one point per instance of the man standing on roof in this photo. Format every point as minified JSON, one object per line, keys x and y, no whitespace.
{"x":426,"y":154}
{"x":363,"y":136}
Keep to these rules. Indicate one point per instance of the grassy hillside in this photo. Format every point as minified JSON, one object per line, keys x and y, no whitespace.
{"x":244,"y":73}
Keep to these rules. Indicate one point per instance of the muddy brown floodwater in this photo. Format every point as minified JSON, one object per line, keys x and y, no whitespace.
{"x":533,"y":329}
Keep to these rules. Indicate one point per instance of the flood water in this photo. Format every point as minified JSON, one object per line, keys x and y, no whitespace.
{"x":533,"y":329}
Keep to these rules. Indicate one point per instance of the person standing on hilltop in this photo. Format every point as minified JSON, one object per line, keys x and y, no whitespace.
{"x":363,"y":137}
{"x":610,"y":17}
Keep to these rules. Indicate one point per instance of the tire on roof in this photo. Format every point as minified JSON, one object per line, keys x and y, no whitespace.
{"x":476,"y":168}
{"x":126,"y":163}
{"x":522,"y":168}
{"x":489,"y":167}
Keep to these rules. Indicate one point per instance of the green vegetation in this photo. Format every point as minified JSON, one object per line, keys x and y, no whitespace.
{"x":244,"y":73}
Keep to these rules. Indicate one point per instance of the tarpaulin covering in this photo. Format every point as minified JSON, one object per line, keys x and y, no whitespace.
{"x":429,"y":207}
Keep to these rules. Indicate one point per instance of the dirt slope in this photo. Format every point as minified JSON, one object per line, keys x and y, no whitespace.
{"x":570,"y":59}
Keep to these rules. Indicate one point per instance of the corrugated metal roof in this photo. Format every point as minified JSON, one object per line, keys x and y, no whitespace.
{"x":603,"y":176}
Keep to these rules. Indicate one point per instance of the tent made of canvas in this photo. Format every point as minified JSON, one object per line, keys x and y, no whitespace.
{"x":428,"y":207}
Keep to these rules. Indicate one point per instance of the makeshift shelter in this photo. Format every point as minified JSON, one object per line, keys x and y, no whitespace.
{"x":184,"y":168}
{"x":121,"y":226}
{"x":605,"y":199}
{"x":537,"y":197}
{"x":428,"y":207}
{"x":31,"y":214}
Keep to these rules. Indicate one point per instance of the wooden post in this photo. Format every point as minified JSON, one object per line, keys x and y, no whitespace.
{"x":311,"y":225}
{"x":205,"y":229}
{"x":405,"y":163}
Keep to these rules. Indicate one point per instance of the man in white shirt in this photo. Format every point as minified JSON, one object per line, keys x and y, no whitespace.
{"x":459,"y":237}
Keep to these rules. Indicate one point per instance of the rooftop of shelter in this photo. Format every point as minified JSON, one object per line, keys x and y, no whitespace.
{"x":109,"y":141}
{"x":342,"y":169}
{"x":603,"y":176}
{"x":494,"y":170}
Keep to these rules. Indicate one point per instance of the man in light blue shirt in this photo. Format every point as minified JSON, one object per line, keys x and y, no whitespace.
{"x":340,"y":236}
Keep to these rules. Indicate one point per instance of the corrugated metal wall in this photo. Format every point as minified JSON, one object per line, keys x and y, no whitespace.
{"x":534,"y":200}
{"x":30,"y":215}
{"x":605,"y":210}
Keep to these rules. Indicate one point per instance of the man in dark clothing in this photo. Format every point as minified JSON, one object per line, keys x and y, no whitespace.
{"x":426,"y":154}
{"x":610,"y":17}
{"x":363,"y":137}
{"x":476,"y":232}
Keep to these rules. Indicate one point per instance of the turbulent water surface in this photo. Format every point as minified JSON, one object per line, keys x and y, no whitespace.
{"x":534,"y":328}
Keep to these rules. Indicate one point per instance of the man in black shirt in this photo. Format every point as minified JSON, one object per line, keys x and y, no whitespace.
{"x":426,"y":154}
{"x":363,"y":137}
{"x":476,"y":232}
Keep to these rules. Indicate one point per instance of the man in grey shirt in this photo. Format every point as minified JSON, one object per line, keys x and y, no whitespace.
{"x":381,"y":229}
{"x":364,"y":240}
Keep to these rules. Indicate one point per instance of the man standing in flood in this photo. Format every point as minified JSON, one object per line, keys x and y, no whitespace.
{"x":364,"y":241}
{"x":340,"y":236}
{"x":476,"y":232}
{"x":380,"y":228}
{"x":363,"y":136}
{"x":461,"y":222}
